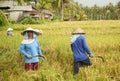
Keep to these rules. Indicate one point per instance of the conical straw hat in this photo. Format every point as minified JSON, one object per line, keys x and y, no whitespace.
{"x":39,"y":31}
{"x":9,"y":29}
{"x":78,"y":31}
{"x":30,"y":29}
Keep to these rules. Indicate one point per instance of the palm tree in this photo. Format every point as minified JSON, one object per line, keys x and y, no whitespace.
{"x":118,"y":10}
{"x":62,"y":7}
{"x":43,"y":3}
{"x":58,"y":6}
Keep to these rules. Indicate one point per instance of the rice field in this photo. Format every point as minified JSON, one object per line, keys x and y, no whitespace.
{"x":103,"y":38}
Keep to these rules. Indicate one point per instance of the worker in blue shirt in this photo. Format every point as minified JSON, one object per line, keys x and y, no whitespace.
{"x":80,"y":50}
{"x":30,"y":48}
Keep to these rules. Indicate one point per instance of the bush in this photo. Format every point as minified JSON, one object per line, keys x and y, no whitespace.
{"x":3,"y":19}
{"x":30,"y":20}
{"x":12,"y":21}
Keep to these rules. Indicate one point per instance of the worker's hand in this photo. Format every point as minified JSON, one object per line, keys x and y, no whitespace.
{"x":43,"y":57}
{"x":91,"y":55}
{"x":29,"y":56}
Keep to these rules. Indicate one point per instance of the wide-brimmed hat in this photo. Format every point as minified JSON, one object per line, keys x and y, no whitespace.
{"x":31,"y":29}
{"x":40,"y":31}
{"x":9,"y":29}
{"x":78,"y":31}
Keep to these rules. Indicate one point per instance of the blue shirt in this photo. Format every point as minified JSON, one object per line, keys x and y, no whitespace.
{"x":79,"y":48}
{"x":32,"y":49}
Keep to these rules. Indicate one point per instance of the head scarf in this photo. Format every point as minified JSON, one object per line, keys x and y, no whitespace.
{"x":26,"y":35}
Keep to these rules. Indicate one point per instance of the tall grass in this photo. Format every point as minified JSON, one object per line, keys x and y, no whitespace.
{"x":3,"y":19}
{"x":102,"y":37}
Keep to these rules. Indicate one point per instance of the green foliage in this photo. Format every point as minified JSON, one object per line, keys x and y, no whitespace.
{"x":74,"y":10}
{"x":108,"y":12}
{"x":3,"y":19}
{"x":118,"y":4}
{"x":30,"y":20}
{"x":43,"y":4}
{"x":12,"y":21}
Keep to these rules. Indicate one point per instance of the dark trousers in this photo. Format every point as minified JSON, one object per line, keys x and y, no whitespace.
{"x":31,"y":66}
{"x":79,"y":64}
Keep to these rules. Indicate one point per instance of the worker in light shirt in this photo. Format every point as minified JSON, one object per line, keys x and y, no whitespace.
{"x":30,"y":48}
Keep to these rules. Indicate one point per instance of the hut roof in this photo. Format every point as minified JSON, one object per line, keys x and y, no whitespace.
{"x":8,"y":3}
{"x":22,"y":8}
{"x":46,"y":12}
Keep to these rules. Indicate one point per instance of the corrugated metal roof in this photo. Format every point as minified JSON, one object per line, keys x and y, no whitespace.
{"x":21,"y":8}
{"x":46,"y":12}
{"x":8,"y":3}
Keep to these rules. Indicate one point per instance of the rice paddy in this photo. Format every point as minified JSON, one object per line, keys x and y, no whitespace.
{"x":103,"y":38}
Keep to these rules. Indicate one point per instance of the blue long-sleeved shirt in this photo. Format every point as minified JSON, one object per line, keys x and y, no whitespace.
{"x":32,"y":49}
{"x":79,"y":48}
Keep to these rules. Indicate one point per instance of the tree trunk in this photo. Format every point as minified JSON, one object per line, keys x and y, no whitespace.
{"x":62,"y":10}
